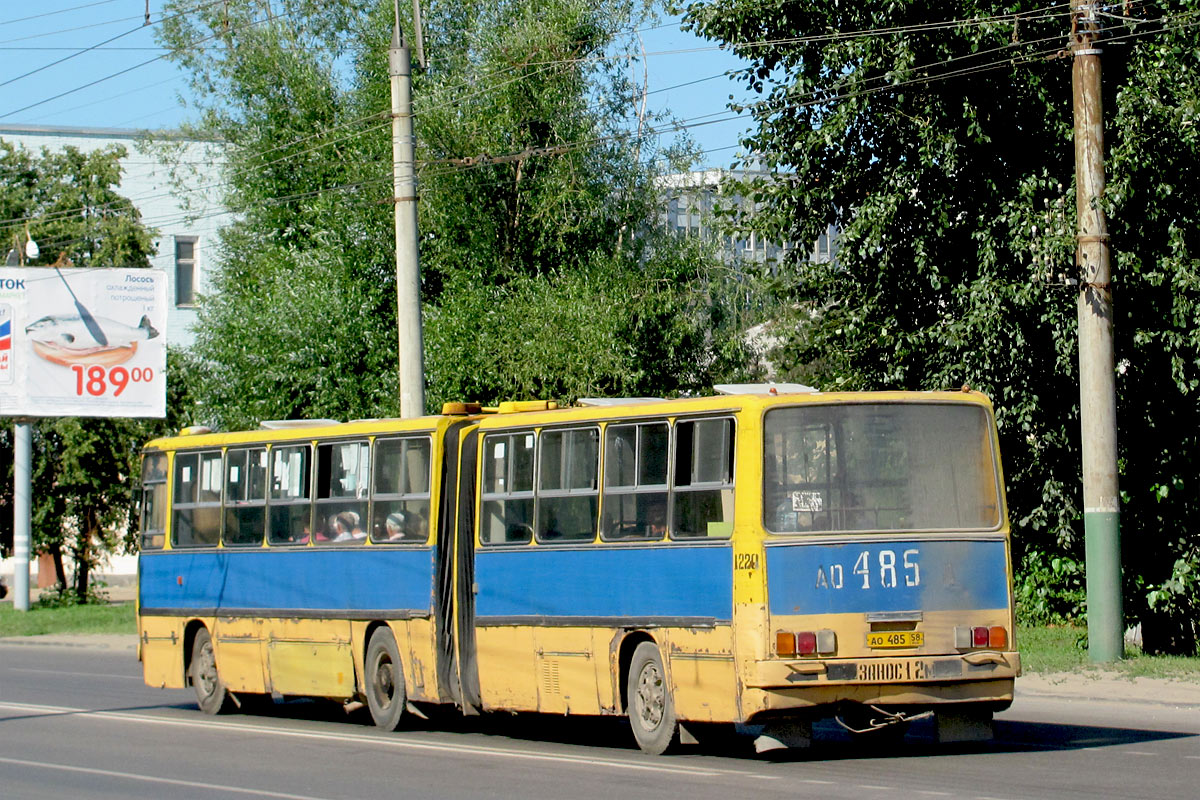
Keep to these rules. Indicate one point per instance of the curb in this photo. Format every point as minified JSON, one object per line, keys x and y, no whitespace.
{"x":81,"y":641}
{"x":1111,"y":688}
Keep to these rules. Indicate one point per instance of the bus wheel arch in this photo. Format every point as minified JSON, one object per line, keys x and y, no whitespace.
{"x":624,"y":646}
{"x":383,"y":678}
{"x":650,"y":705}
{"x":189,"y":637}
{"x":211,"y":694}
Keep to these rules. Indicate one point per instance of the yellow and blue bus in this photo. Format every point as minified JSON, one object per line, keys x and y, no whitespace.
{"x":765,"y":558}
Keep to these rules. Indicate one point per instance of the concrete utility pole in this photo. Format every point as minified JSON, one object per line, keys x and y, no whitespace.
{"x":1097,"y":373}
{"x":408,"y":270}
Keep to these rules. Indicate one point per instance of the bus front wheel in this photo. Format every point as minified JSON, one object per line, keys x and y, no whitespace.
{"x":210,"y":691}
{"x":651,"y":709}
{"x":385,"y":680}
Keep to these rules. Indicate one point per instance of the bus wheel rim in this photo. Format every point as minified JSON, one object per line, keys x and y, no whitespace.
{"x":651,"y":697}
{"x":208,"y":670}
{"x":384,"y":683}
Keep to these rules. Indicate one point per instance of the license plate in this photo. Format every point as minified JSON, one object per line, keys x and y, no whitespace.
{"x":895,"y":639}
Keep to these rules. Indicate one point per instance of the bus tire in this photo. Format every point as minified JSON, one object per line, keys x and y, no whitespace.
{"x":386,"y":697}
{"x":211,"y":695}
{"x":650,"y":706}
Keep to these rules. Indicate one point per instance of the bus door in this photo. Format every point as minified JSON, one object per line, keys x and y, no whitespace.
{"x":454,"y":599}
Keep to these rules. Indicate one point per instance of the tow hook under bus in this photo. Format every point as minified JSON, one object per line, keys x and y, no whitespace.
{"x":879,"y":719}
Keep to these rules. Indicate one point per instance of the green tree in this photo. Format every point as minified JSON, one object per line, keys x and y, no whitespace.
{"x":531,"y":250}
{"x":82,"y":468}
{"x":938,"y":138}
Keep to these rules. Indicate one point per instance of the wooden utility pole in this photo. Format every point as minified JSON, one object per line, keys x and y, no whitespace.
{"x":1097,"y":373}
{"x":408,"y":271}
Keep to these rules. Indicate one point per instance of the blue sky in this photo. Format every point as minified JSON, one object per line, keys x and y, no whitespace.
{"x":112,"y":85}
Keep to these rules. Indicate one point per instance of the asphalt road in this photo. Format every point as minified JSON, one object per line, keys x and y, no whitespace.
{"x":77,"y":722}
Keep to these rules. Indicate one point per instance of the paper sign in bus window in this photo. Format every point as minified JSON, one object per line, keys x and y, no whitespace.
{"x":807,"y":501}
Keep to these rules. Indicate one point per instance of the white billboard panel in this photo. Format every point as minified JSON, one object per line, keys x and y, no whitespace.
{"x":82,"y":342}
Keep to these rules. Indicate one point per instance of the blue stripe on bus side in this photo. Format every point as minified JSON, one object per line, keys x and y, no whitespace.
{"x":300,"y":579}
{"x":597,"y":582}
{"x":938,"y":576}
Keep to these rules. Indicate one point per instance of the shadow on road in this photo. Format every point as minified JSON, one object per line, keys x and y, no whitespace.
{"x":830,"y":742}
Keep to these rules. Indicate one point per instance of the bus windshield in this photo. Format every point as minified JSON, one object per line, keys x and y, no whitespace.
{"x":879,"y":467}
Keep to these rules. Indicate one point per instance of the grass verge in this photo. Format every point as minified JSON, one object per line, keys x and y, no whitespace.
{"x":99,"y":618}
{"x":1064,"y":649}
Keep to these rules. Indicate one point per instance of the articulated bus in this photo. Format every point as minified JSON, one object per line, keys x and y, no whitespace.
{"x":760,"y":559}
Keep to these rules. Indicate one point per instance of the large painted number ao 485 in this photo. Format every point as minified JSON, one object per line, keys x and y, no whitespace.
{"x":880,"y":577}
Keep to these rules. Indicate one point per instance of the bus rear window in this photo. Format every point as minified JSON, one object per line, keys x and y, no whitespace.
{"x":879,"y":467}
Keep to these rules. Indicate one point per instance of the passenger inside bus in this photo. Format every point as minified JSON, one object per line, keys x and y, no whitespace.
{"x":344,"y":527}
{"x":405,"y":526}
{"x":656,"y":519}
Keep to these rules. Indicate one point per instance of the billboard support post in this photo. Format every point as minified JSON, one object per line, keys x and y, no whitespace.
{"x":21,"y":513}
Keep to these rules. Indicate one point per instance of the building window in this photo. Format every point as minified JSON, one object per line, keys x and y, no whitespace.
{"x":185,"y":270}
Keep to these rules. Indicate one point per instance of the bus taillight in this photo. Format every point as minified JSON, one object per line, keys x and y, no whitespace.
{"x":995,"y":637}
{"x":805,"y":643}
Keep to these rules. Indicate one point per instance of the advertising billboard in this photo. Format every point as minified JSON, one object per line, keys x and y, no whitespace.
{"x":82,"y":342}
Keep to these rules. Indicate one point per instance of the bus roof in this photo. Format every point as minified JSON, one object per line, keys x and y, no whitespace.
{"x":532,"y":413}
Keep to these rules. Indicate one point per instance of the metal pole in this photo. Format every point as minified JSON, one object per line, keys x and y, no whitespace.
{"x":408,"y":270}
{"x":21,"y":507}
{"x":1097,"y":374}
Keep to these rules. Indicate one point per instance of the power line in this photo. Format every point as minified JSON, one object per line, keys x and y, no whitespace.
{"x":142,"y":64}
{"x":59,"y":11}
{"x":814,"y":98}
{"x":70,"y":30}
{"x":73,"y":55}
{"x":111,"y":97}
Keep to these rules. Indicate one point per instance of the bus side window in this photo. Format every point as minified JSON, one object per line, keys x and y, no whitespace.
{"x":635,"y":481}
{"x":400,"y":492}
{"x":245,"y":496}
{"x":568,"y":488}
{"x":154,"y":501}
{"x":196,"y":517}
{"x":290,"y":511}
{"x":703,"y":486}
{"x":507,"y":513}
{"x":343,"y":476}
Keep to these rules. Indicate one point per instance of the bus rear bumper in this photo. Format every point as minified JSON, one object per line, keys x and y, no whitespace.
{"x":778,"y":685}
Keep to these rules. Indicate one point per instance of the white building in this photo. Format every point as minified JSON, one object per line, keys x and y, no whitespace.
{"x":692,"y":200}
{"x":186,"y":215}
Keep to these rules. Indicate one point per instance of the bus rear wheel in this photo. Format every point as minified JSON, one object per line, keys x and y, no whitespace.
{"x":386,"y":696}
{"x":210,"y":691}
{"x":651,"y":708}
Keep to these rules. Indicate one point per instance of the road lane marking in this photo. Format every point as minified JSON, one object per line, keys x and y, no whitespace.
{"x":1140,"y":753}
{"x":78,"y":674}
{"x":108,"y":773}
{"x":383,"y":741}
